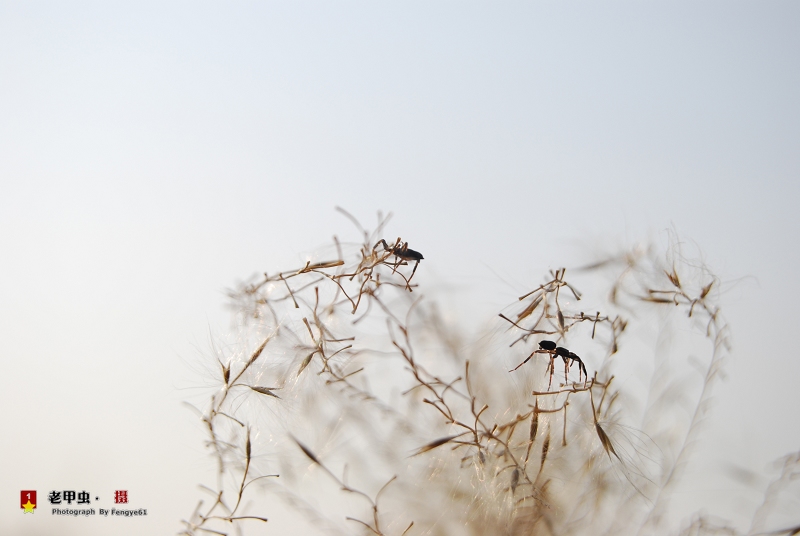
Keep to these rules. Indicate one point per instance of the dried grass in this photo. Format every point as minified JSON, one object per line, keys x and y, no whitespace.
{"x":444,"y":445}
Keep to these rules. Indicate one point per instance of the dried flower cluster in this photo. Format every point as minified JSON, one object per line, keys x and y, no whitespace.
{"x":356,"y":383}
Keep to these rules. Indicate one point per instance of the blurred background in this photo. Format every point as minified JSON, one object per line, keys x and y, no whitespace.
{"x":153,"y":155}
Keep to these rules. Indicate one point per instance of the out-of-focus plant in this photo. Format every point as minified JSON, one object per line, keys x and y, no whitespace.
{"x":381,"y":418}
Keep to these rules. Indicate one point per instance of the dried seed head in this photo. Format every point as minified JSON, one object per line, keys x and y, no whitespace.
{"x":673,"y":277}
{"x":226,"y":373}
{"x":530,"y":308}
{"x":264,"y":390}
{"x":514,"y":479}
{"x":307,"y":452}
{"x":258,"y":351}
{"x":320,"y":265}
{"x":657,"y":299}
{"x":605,"y":441}
{"x":545,"y":448}
{"x":534,"y":423}
{"x":436,"y":443}
{"x":706,"y":290}
{"x":305,"y":362}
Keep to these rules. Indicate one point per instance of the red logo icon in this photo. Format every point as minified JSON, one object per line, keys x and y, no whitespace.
{"x":27,"y":500}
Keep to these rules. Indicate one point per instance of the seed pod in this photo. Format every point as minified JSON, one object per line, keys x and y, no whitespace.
{"x":433,"y":444}
{"x":705,"y":290}
{"x":307,"y":452}
{"x":529,"y":309}
{"x":545,"y":448}
{"x":305,"y":362}
{"x":534,"y":429}
{"x":258,"y":351}
{"x":534,"y":423}
{"x":226,"y":373}
{"x":605,"y":441}
{"x":264,"y":390}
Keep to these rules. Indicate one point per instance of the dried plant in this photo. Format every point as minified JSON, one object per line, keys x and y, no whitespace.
{"x":341,"y":368}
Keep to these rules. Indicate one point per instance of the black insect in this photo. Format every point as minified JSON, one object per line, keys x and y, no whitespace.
{"x":549,"y":347}
{"x":401,"y":251}
{"x":569,"y":358}
{"x":581,"y":367}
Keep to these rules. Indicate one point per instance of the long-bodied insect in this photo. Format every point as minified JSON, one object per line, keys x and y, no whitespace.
{"x":402,"y":252}
{"x":549,"y":347}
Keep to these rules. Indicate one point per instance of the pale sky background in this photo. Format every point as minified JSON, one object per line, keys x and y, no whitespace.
{"x":153,"y":154}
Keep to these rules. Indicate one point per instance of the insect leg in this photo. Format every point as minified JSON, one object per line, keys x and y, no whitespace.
{"x":414,"y":270}
{"x":526,"y":360}
{"x":551,"y":367}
